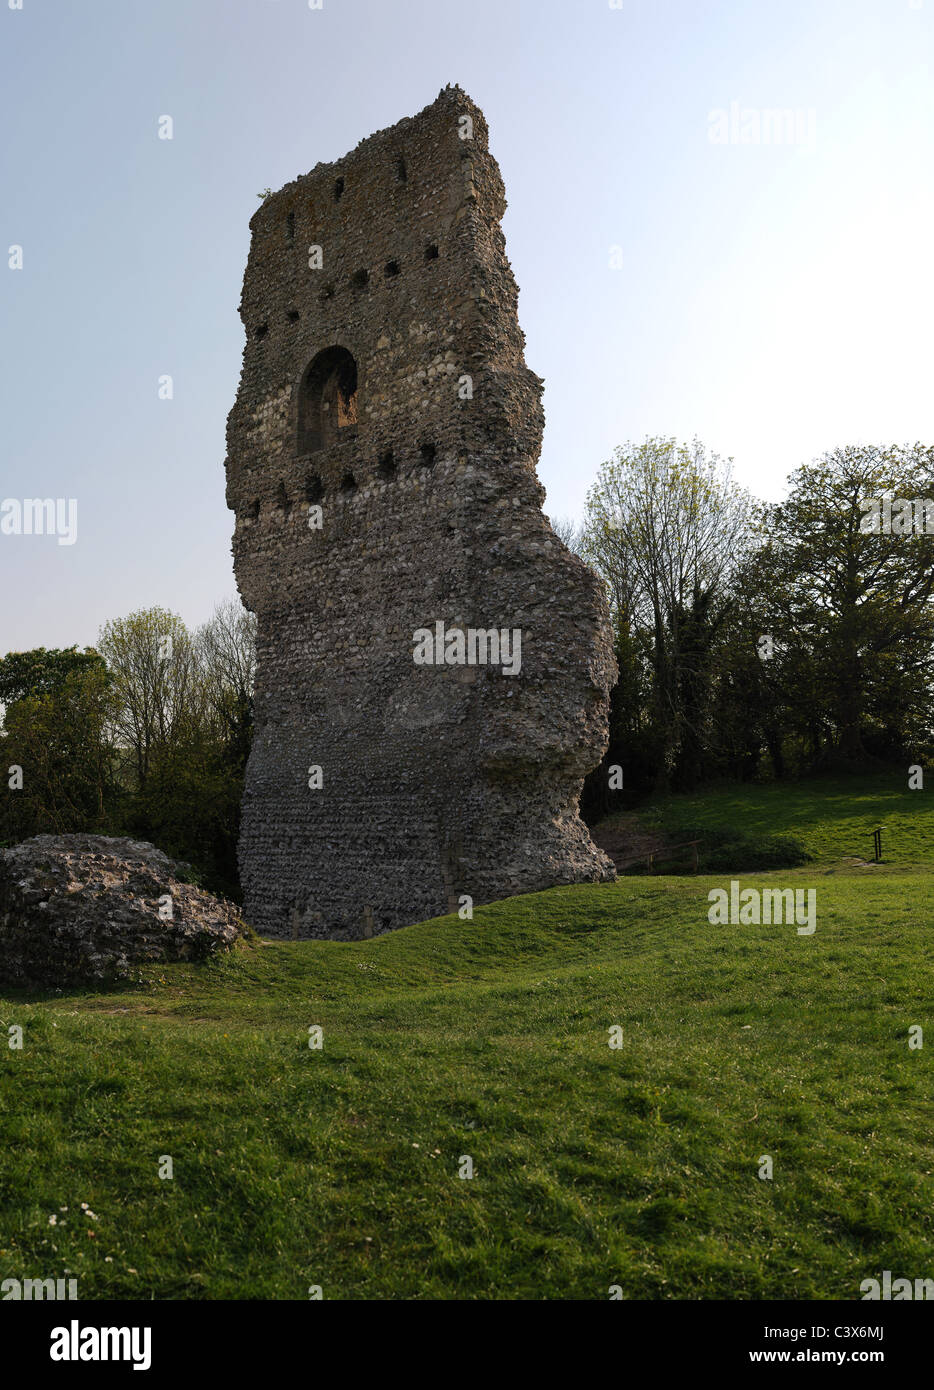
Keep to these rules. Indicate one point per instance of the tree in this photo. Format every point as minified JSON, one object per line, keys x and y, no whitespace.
{"x":40,"y":671}
{"x":856,"y":607}
{"x":666,"y":527}
{"x":183,"y":720}
{"x":59,"y":737}
{"x":226,"y":650}
{"x":149,"y":736}
{"x":159,"y":693}
{"x":568,"y":531}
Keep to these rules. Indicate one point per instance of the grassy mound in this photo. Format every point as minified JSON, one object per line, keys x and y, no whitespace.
{"x":489,"y":1040}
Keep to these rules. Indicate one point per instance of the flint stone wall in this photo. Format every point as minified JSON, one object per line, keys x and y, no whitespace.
{"x":86,"y":908}
{"x":442,"y":780}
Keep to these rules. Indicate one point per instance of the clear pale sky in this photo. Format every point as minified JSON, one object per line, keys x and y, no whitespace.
{"x":776,"y":300}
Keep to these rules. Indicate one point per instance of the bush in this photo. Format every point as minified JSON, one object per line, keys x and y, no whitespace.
{"x":725,"y":852}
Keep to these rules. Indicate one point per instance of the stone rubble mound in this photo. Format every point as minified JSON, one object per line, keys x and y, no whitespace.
{"x":87,"y":908}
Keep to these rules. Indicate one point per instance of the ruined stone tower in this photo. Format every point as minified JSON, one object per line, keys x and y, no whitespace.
{"x":381,"y":466}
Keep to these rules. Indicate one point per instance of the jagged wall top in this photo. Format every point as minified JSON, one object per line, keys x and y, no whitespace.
{"x":412,"y":257}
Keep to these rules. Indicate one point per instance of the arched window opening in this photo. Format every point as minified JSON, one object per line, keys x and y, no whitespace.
{"x":348,"y":483}
{"x":387,"y":467}
{"x":327,"y":406}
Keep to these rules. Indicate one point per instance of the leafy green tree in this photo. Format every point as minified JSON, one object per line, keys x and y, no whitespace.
{"x":148,"y":736}
{"x":666,"y":527}
{"x":159,"y":692}
{"x":40,"y":671}
{"x":183,"y":724}
{"x":856,"y":608}
{"x":59,"y":739}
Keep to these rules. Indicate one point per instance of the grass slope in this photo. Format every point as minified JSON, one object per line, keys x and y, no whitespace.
{"x":639,"y":1167}
{"x":834,"y":818}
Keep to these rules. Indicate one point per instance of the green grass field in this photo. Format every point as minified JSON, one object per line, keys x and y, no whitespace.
{"x":594,"y":1167}
{"x":834,"y":818}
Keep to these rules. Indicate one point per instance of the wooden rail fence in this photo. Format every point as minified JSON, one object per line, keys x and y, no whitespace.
{"x":661,"y":855}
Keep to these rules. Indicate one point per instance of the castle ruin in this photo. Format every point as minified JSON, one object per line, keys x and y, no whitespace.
{"x":433,"y":665}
